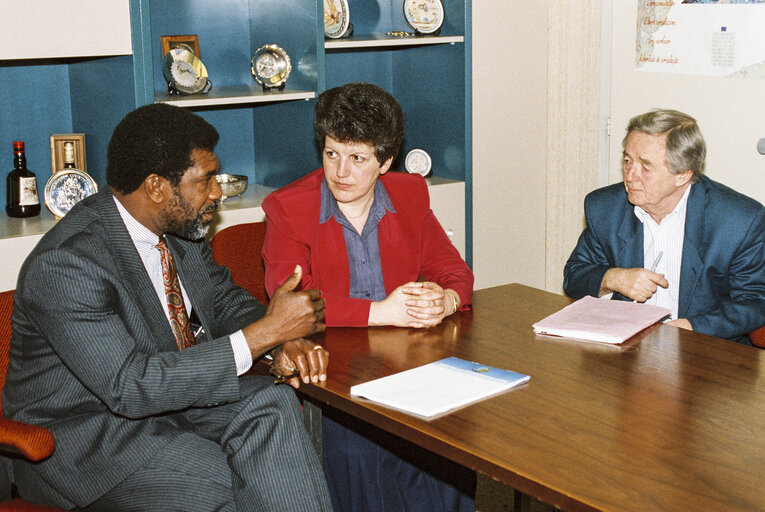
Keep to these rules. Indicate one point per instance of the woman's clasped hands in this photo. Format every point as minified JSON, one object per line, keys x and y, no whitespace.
{"x":414,"y":304}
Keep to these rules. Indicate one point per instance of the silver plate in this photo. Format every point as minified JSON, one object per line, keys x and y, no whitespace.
{"x":270,"y":66}
{"x":336,"y":18}
{"x":66,"y":188}
{"x":425,"y":16}
{"x":418,"y":161}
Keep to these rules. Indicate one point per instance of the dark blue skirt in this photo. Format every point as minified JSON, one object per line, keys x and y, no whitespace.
{"x":368,"y":469}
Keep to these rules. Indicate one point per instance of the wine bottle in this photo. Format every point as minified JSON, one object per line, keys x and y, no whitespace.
{"x":21,"y":199}
{"x":69,"y":155}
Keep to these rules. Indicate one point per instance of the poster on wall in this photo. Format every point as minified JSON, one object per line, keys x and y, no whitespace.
{"x":723,"y":38}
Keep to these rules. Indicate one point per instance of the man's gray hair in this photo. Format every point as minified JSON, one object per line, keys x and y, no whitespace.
{"x":686,"y":148}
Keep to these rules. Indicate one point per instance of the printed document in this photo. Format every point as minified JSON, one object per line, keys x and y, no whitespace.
{"x":606,"y":321}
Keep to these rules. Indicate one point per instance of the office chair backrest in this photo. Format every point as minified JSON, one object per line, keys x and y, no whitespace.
{"x":240,"y":248}
{"x":758,"y":337}
{"x":6,"y":308}
{"x":16,"y":438}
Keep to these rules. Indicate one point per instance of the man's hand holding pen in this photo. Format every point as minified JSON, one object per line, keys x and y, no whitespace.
{"x":638,"y":284}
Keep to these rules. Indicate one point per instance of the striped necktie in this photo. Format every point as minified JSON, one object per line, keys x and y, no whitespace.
{"x":179,"y":319}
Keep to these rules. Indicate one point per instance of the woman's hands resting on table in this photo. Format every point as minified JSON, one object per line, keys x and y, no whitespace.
{"x":414,"y":304}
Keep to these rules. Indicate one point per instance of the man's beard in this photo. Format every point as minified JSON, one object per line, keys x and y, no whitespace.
{"x":179,"y":222}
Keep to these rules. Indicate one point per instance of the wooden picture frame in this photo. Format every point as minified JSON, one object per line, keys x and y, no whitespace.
{"x":57,"y":142}
{"x":189,"y":42}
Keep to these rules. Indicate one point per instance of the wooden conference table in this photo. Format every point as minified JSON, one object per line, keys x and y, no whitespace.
{"x":671,"y":420}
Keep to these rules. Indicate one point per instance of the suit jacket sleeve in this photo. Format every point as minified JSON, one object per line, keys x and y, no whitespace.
{"x":440,"y":262}
{"x":93,"y":325}
{"x":734,"y":303}
{"x":588,"y":263}
{"x":283,"y":251}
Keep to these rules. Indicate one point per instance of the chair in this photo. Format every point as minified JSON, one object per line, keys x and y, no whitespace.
{"x":240,"y":248}
{"x":16,"y":438}
{"x":758,"y":337}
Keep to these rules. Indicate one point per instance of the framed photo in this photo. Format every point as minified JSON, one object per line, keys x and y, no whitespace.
{"x":188,"y":42}
{"x":58,"y":143}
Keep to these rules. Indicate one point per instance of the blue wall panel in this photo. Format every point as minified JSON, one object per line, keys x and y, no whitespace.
{"x":435,"y":114}
{"x":235,"y":147}
{"x":429,"y":84}
{"x":286,"y":125}
{"x":269,"y":19}
{"x":102,"y":93}
{"x":35,"y":105}
{"x":369,"y":17}
{"x":271,"y":143}
{"x":223,"y":31}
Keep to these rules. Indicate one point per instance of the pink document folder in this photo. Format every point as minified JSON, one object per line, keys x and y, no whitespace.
{"x":602,"y":320}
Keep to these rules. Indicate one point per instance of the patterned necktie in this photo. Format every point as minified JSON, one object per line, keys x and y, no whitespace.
{"x":179,"y":319}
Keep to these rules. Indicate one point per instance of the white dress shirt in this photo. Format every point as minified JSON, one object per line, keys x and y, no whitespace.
{"x":145,"y":242}
{"x":665,"y":239}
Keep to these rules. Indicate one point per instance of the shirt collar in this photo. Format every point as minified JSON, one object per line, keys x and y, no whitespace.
{"x":143,"y":238}
{"x":679,"y":208}
{"x":329,"y":208}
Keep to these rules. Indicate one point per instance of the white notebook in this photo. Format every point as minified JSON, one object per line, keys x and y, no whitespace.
{"x":438,"y":387}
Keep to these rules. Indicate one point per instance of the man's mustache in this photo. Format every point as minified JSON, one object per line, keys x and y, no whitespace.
{"x":213,"y":207}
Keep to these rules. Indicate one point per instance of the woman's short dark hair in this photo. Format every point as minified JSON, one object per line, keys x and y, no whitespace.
{"x":361,"y":113}
{"x":156,"y":138}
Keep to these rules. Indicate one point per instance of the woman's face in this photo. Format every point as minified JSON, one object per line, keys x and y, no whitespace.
{"x":351,"y":170}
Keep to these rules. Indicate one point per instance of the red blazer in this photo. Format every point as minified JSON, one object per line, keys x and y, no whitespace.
{"x":413,"y":245}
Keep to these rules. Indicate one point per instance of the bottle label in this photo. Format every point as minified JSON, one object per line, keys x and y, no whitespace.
{"x":28,"y":192}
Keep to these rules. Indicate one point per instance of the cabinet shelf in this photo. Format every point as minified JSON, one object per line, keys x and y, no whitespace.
{"x":18,"y":237}
{"x":233,"y":95}
{"x":384,"y":40}
{"x":268,"y":136}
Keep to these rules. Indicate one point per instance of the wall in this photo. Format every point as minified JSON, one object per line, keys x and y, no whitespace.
{"x":543,"y":73}
{"x":730,"y":111}
{"x":509,"y":53}
{"x":536,"y":137}
{"x":573,"y":126}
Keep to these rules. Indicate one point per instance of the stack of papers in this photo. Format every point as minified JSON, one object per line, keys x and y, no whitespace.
{"x":605,"y":321}
{"x":438,"y":387}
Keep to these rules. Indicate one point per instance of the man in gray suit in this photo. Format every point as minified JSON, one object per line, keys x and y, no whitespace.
{"x":141,"y":423}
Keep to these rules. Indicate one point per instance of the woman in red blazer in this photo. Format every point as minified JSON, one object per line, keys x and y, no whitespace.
{"x":412,"y":246}
{"x":367,"y":238}
{"x":425,"y":278}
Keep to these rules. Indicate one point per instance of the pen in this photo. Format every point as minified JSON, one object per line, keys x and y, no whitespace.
{"x":656,"y":261}
{"x":655,"y":264}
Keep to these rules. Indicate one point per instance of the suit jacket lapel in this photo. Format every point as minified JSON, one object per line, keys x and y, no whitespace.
{"x":693,"y":246}
{"x":133,"y":274}
{"x":189,"y":268}
{"x":630,"y":235}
